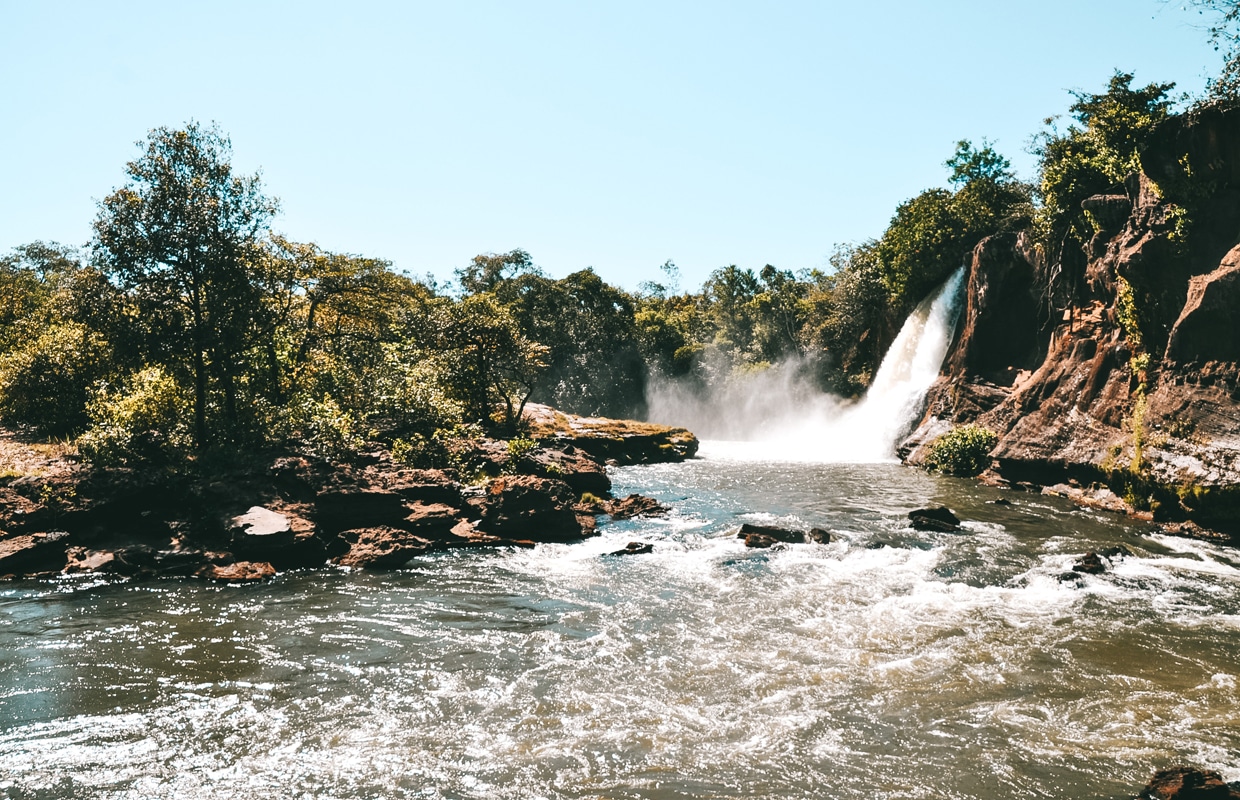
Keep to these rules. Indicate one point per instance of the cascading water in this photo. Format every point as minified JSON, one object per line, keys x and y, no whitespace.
{"x":778,"y":418}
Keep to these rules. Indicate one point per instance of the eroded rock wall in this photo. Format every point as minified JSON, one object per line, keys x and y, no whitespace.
{"x":1126,"y":373}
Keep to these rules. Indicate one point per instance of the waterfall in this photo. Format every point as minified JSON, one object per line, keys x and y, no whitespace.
{"x":778,"y":417}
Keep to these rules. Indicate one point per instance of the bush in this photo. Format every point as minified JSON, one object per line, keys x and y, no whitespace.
{"x":45,"y":383}
{"x":327,"y":430}
{"x":962,"y":451}
{"x":143,"y":422}
{"x":518,"y":449}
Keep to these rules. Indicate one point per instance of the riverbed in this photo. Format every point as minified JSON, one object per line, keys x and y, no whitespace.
{"x":889,"y":663}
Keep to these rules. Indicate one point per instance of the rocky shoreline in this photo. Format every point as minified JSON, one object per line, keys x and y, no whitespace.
{"x":264,"y":513}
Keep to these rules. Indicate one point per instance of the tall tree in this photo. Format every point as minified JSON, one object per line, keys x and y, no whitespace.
{"x":181,"y":237}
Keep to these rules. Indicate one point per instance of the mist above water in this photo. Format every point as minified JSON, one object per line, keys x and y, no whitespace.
{"x":779,"y":415}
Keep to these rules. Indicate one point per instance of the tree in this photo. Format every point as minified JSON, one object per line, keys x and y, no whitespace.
{"x":181,"y":238}
{"x":489,"y":362}
{"x":1083,"y":161}
{"x":488,"y":270}
{"x":594,"y":363}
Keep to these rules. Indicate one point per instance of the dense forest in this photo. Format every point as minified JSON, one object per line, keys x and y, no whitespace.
{"x":188,"y":325}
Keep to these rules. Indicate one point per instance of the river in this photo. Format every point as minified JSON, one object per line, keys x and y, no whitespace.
{"x":889,"y":663}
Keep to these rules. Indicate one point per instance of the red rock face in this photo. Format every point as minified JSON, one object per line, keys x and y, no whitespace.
{"x":1208,"y":328}
{"x":1078,"y":381}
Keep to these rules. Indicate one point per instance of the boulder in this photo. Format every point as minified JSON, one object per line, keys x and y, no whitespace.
{"x":1188,"y":783}
{"x":573,"y":466}
{"x":770,"y":532}
{"x":238,"y":572}
{"x":633,"y":549}
{"x":635,"y":505}
{"x":381,"y":547}
{"x":534,"y":508}
{"x":1090,"y":564}
{"x":934,"y":519}
{"x":819,"y":536}
{"x":33,"y":553}
{"x":431,"y":486}
{"x":760,"y":540}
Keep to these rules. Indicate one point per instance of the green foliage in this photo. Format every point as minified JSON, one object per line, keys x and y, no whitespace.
{"x":1090,"y":159}
{"x":488,"y":362}
{"x":933,"y":233}
{"x":421,"y":451}
{"x":962,"y":451}
{"x":327,"y":430}
{"x":181,"y":238}
{"x":45,"y":382}
{"x":144,"y":421}
{"x":1127,"y":316}
{"x":593,"y":356}
{"x":519,"y":448}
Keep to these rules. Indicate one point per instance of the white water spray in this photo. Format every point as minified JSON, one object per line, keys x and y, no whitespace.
{"x":778,"y":417}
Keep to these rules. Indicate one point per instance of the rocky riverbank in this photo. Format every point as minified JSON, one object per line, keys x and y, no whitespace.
{"x":247,"y":517}
{"x":1116,"y":371}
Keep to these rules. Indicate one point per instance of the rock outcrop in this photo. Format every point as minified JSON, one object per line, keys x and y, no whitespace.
{"x":290,"y":510}
{"x":1188,"y":783}
{"x":614,"y":441}
{"x":1117,"y":367}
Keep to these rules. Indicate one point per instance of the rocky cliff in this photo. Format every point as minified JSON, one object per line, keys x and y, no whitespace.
{"x":1118,"y":363}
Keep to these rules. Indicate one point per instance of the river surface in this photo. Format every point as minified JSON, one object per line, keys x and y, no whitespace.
{"x":887,"y":664}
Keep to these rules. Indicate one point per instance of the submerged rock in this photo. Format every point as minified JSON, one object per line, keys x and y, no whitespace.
{"x":934,"y":519}
{"x":238,"y":572}
{"x":1090,"y":564}
{"x":760,"y":540}
{"x":633,"y":549}
{"x":1188,"y":783}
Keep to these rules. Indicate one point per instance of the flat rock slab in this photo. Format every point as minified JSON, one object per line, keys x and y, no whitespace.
{"x":259,"y":521}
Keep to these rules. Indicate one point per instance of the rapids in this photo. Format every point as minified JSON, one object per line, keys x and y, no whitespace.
{"x":889,"y":663}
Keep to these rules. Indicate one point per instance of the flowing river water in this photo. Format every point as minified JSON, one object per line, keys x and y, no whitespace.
{"x":889,"y":663}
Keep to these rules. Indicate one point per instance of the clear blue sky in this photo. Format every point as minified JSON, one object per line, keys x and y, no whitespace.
{"x":613,"y":135}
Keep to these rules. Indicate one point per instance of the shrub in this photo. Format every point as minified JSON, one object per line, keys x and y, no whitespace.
{"x":327,"y":430}
{"x":962,"y":451}
{"x":45,"y":383}
{"x":518,"y":448}
{"x":143,"y":422}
